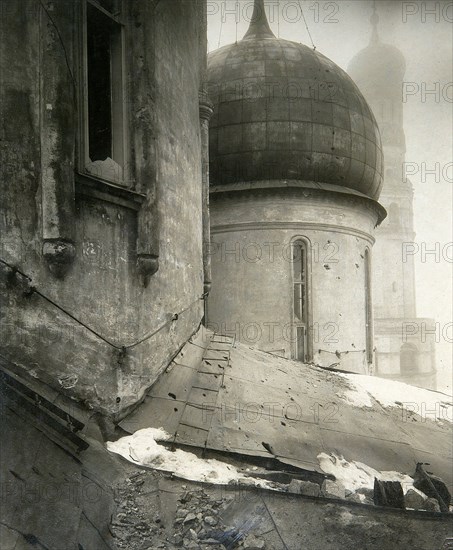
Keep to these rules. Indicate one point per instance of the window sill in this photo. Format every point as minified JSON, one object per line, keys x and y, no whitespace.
{"x":88,"y":186}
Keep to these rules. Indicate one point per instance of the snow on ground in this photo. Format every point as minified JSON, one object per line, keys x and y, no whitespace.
{"x":427,"y":404}
{"x":143,"y":448}
{"x":356,"y":475}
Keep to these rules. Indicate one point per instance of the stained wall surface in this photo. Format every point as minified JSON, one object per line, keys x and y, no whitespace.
{"x":106,"y":236}
{"x":252,"y":296}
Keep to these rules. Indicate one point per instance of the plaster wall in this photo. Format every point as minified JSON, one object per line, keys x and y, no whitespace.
{"x":252,"y":270}
{"x":165,"y":64}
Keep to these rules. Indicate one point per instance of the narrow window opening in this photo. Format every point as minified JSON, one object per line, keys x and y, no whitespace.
{"x":105,"y":130}
{"x":110,"y":5}
{"x":300,"y":299}
{"x":368,"y":308}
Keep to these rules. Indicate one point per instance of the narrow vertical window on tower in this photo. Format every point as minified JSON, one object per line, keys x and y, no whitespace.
{"x":368,"y":308}
{"x":103,"y":143}
{"x":300,"y":299}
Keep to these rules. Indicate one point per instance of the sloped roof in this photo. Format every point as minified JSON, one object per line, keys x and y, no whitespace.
{"x":221,"y":395}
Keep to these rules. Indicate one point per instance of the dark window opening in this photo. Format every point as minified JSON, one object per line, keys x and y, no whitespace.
{"x":110,"y":5}
{"x":368,"y":308}
{"x":300,"y":344}
{"x":105,"y":125}
{"x":300,"y":299}
{"x":300,"y":280}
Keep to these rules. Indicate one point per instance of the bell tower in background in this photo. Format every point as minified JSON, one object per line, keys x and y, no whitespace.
{"x":404,"y":344}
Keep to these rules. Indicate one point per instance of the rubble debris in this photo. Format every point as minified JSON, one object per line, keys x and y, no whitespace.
{"x":333,"y":489}
{"x":253,"y":543}
{"x":414,"y":499}
{"x":196,"y":524}
{"x":431,"y":505}
{"x":132,"y":527}
{"x":358,"y":478}
{"x":432,"y":486}
{"x":388,"y":493}
{"x":306,"y":488}
{"x":366,"y":495}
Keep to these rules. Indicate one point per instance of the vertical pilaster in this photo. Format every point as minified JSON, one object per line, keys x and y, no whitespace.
{"x":205,"y":115}
{"x":58,"y":97}
{"x":142,"y":112}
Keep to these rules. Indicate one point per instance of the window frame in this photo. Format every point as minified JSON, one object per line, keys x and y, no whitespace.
{"x":119,"y":111}
{"x":306,"y":323}
{"x":369,"y":328}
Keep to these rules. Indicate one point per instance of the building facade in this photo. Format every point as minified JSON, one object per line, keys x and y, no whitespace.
{"x":405,"y":343}
{"x":103,"y":160}
{"x":296,"y":172}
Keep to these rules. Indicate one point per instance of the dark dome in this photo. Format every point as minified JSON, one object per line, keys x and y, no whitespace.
{"x":282,"y":111}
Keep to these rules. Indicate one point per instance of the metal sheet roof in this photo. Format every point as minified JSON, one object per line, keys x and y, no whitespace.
{"x":222,"y":395}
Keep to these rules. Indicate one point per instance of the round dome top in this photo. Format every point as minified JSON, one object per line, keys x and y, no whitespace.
{"x":283,"y":111}
{"x":378,"y":65}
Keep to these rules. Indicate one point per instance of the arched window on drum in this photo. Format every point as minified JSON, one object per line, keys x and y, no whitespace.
{"x":301,"y":299}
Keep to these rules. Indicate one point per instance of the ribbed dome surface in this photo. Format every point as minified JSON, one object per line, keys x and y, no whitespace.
{"x":285,"y":112}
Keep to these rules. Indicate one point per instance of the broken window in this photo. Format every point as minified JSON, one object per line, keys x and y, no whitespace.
{"x":105,"y":129}
{"x":300,"y":298}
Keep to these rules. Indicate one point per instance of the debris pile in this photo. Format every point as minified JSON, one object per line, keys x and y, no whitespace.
{"x":198,"y":525}
{"x":137,"y":527}
{"x":145,"y":521}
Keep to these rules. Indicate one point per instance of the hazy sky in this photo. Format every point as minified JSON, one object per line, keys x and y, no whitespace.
{"x":339,"y":30}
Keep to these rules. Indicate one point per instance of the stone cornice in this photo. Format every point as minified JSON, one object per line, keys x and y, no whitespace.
{"x":294,"y":226}
{"x":307,"y":188}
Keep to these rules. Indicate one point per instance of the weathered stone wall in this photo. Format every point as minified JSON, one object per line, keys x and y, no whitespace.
{"x":252,"y":271}
{"x":101,"y":233}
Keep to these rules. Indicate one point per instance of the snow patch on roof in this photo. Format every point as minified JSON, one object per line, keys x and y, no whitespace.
{"x":427,"y":404}
{"x":357,"y":475}
{"x":143,"y":448}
